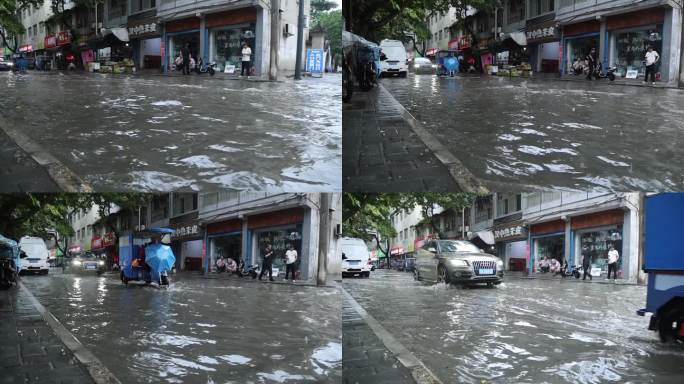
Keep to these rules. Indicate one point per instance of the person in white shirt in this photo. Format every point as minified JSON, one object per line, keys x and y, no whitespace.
{"x":246,"y":59}
{"x":613,"y":257}
{"x":652,"y":58}
{"x":290,"y":262}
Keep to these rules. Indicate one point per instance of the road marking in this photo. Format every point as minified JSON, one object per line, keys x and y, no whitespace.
{"x":421,"y":374}
{"x":97,"y":370}
{"x":65,"y":178}
{"x":463,"y":177}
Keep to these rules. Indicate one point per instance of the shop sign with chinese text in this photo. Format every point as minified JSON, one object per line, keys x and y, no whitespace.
{"x":186,"y":231}
{"x":542,"y":32}
{"x":144,"y":29}
{"x":510,"y":232}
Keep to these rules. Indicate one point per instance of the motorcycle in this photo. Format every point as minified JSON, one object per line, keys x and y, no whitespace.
{"x":205,"y":68}
{"x":8,"y":273}
{"x":347,"y":82}
{"x":252,"y":271}
{"x":575,"y":271}
{"x":608,"y":74}
{"x":367,"y":76}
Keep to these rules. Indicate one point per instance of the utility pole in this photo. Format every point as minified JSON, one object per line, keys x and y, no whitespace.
{"x":300,"y":41}
{"x":323,"y":238}
{"x":275,"y":39}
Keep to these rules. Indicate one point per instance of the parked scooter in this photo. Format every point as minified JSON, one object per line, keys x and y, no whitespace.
{"x":8,"y":273}
{"x":567,"y":272}
{"x":253,"y":271}
{"x":608,"y":74}
{"x":205,"y":68}
{"x":347,"y":82}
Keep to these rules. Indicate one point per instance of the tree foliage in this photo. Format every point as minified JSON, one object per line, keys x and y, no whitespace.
{"x":332,"y":23}
{"x":368,"y":215}
{"x":10,"y":20}
{"x":405,"y":20}
{"x":47,"y":214}
{"x":320,"y":6}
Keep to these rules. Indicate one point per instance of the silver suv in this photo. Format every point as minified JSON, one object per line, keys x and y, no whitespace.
{"x":457,"y":262}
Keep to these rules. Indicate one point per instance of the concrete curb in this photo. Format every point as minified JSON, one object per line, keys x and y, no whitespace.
{"x":466,"y":181}
{"x":97,"y":370}
{"x":570,"y":278}
{"x":421,"y":374}
{"x":65,"y":178}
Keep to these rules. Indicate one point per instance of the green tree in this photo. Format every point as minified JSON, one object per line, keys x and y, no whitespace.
{"x":10,"y":20}
{"x":405,"y":20}
{"x":47,"y":214}
{"x":430,"y":202}
{"x":332,"y":23}
{"x":320,"y":6}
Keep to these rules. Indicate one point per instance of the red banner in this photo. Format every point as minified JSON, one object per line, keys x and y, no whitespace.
{"x":96,"y":242}
{"x":26,"y":48}
{"x":108,"y":239}
{"x":62,"y":38}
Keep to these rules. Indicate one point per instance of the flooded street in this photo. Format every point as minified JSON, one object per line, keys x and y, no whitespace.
{"x":552,"y":134}
{"x":200,"y":330}
{"x":523,"y":331}
{"x":151,"y":133}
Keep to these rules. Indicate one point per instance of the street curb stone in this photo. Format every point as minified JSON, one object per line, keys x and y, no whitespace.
{"x":421,"y":374}
{"x":97,"y":370}
{"x":466,"y":181}
{"x":65,"y":178}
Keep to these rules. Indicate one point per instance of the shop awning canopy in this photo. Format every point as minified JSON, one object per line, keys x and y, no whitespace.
{"x":486,"y":236}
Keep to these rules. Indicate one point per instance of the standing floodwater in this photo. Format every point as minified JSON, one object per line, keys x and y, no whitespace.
{"x":200,"y":330}
{"x":523,"y":331}
{"x":163,"y":133}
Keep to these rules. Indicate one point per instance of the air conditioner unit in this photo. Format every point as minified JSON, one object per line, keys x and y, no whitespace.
{"x":288,"y":30}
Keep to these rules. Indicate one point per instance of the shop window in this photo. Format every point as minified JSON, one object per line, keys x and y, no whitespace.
{"x":540,"y":7}
{"x":117,"y":8}
{"x":596,"y":244}
{"x":280,"y":240}
{"x":227,"y":46}
{"x":630,"y":49}
{"x":552,"y":247}
{"x":141,"y":5}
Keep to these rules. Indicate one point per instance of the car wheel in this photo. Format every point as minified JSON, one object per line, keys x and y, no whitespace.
{"x":443,"y":275}
{"x":670,"y":325}
{"x":366,"y":275}
{"x":490,"y":285}
{"x":45,"y":272}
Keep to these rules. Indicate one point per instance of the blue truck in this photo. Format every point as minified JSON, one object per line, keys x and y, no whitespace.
{"x":664,"y":263}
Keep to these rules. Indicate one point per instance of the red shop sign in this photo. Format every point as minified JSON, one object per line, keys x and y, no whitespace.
{"x":26,"y":48}
{"x":108,"y":239}
{"x":96,"y":242}
{"x":63,"y":38}
{"x":50,"y":41}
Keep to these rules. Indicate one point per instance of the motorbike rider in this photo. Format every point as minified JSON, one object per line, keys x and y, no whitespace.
{"x":592,"y":63}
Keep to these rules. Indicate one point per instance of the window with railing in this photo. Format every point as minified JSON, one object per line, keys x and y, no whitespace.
{"x":117,"y":8}
{"x":483,"y":209}
{"x":540,"y":7}
{"x":516,"y":11}
{"x":141,"y":5}
{"x":507,"y":204}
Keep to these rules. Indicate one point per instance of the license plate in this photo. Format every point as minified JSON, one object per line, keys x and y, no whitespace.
{"x":353,"y":263}
{"x":486,"y":271}
{"x":91,"y":267}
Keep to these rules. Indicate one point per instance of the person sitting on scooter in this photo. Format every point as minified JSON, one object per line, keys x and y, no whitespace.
{"x":220,"y":265}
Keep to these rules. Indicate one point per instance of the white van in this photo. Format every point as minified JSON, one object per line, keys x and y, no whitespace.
{"x":396,"y":61}
{"x":37,"y":253}
{"x":355,"y":257}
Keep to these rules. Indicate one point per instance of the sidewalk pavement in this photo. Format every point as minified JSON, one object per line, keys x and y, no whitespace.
{"x":20,"y":172}
{"x":550,"y":276}
{"x":30,"y":351}
{"x":382,"y":152}
{"x":365,"y":359}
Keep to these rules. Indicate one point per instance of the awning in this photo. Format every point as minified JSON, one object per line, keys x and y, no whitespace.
{"x":518,"y":37}
{"x":486,"y":236}
{"x":121,"y":34}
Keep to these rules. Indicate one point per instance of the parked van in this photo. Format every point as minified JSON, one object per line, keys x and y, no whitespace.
{"x":37,"y":252}
{"x":355,"y":257}
{"x":395,"y":59}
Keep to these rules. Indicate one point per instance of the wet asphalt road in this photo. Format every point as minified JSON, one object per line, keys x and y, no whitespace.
{"x":162,"y":133}
{"x":553,"y":134}
{"x":523,"y":331}
{"x":200,"y":330}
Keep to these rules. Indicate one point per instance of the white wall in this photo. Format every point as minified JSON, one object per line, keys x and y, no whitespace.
{"x":37,"y":16}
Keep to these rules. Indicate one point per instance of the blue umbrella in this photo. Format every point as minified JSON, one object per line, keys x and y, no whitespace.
{"x":159,"y":257}
{"x":451,"y":64}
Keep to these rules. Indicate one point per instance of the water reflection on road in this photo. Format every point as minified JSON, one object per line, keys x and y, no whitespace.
{"x":527,"y":331}
{"x":200,"y":330}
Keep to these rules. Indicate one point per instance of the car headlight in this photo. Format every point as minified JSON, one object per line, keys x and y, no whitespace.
{"x":76,"y":262}
{"x":100,"y":263}
{"x":434,"y":65}
{"x":416,"y":66}
{"x":10,"y":64}
{"x":458,"y":263}
{"x":499,"y":264}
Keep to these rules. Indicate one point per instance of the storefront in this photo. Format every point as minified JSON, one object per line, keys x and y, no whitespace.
{"x":180,"y":33}
{"x":594,"y":234}
{"x":578,"y":40}
{"x":546,"y":240}
{"x":630,"y":35}
{"x":58,"y":48}
{"x":187,"y":242}
{"x":280,"y":229}
{"x":227,"y":32}
{"x":105,"y":246}
{"x":224,"y":239}
{"x":145,"y":36}
{"x":543,"y":44}
{"x":511,"y":245}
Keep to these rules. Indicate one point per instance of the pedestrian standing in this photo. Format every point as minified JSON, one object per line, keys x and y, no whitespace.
{"x":290,"y":262}
{"x":592,"y":62}
{"x":652,"y":58}
{"x":613,"y":257}
{"x":586,"y":267}
{"x":267,"y":264}
{"x":246,"y":59}
{"x":185,"y":52}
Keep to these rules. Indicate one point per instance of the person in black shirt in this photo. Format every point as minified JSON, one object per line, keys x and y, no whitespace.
{"x":267,"y":264}
{"x":592,"y":62}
